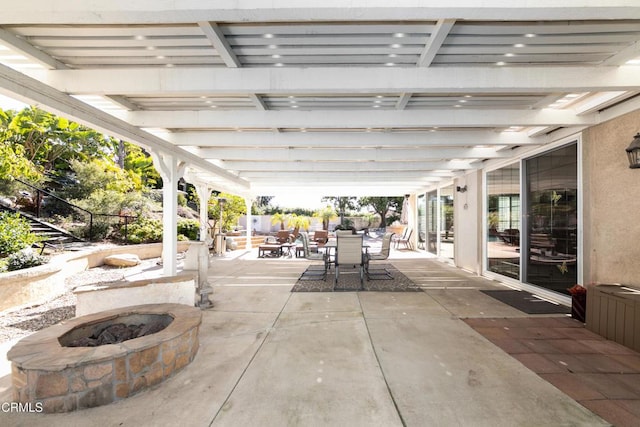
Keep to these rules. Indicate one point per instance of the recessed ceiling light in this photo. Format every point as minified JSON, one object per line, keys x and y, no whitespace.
{"x":303,"y":129}
{"x":457,"y":106}
{"x":140,"y":37}
{"x":518,"y":45}
{"x":530,"y":35}
{"x":392,"y":55}
{"x":150,"y":48}
{"x":207,"y":102}
{"x":396,"y":45}
{"x":275,"y":56}
{"x":272,"y":46}
{"x":500,"y":63}
{"x":390,"y":64}
{"x":291,"y":97}
{"x":378,"y":96}
{"x":214,"y":106}
{"x":376,"y":106}
{"x":399,"y":34}
{"x":169,"y":65}
{"x":294,"y":106}
{"x":268,"y":36}
{"x":292,"y":102}
{"x":377,"y":102}
{"x":462,"y":100}
{"x":509,"y":54}
{"x":467,"y":96}
{"x":160,"y":57}
{"x":279,"y":64}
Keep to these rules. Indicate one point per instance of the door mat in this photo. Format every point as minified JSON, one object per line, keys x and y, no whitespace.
{"x":526,"y":302}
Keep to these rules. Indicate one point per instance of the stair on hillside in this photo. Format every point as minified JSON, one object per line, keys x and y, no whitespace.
{"x":47,"y":233}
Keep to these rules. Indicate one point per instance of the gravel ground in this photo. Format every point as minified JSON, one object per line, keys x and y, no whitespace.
{"x":23,"y":321}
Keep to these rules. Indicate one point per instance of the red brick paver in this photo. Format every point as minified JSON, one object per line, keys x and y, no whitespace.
{"x":601,"y":375}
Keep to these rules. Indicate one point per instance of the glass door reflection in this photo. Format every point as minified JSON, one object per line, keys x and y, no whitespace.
{"x":447,"y":233}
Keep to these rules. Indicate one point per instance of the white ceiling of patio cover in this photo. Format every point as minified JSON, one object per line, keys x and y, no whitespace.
{"x":268,"y":98}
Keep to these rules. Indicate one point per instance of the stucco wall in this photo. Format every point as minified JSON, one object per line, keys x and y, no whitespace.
{"x":611,"y":203}
{"x":468,"y":233}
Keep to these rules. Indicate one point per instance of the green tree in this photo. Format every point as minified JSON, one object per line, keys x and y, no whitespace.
{"x":381,"y":206}
{"x":99,"y":175}
{"x":341,"y":205}
{"x":326,"y":214}
{"x":13,"y":163}
{"x":233,"y":209}
{"x":279,"y":218}
{"x":298,"y":222}
{"x":51,"y":142}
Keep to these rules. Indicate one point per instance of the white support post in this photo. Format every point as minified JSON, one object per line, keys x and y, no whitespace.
{"x":171,"y":172}
{"x":247,"y":203}
{"x":204,"y":193}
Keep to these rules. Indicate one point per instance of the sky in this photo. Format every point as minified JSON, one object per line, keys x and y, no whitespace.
{"x":7,"y":103}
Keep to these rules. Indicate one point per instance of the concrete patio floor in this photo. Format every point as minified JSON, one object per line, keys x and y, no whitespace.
{"x":269,"y":357}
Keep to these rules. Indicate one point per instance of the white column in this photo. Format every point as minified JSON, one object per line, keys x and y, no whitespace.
{"x":171,"y":172}
{"x":204,"y":193}
{"x":247,"y":203}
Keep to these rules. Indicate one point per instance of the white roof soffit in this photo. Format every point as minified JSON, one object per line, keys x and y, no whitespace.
{"x":371,"y":98}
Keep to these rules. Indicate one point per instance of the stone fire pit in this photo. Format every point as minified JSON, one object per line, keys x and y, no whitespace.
{"x":65,"y":378}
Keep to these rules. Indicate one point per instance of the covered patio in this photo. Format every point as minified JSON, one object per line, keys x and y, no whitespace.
{"x":370,"y":99}
{"x":272,"y":357}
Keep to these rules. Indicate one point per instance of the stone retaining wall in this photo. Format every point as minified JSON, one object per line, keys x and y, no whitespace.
{"x":38,"y":284}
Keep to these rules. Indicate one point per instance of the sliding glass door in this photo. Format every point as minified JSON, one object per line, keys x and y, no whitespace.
{"x":551,"y":254}
{"x":503,"y":221}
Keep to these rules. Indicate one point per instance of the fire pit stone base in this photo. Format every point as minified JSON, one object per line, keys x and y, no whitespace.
{"x":68,"y":378}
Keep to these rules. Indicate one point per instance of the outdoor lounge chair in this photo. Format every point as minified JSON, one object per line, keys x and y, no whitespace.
{"x":349,"y":252}
{"x":379,"y":273}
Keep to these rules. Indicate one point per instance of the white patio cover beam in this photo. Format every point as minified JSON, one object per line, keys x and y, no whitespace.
{"x":347,"y":154}
{"x":154,"y":11}
{"x":346,"y":166}
{"x":217,"y":39}
{"x":435,"y":41}
{"x":350,"y":139}
{"x":359,"y":119}
{"x":203,"y":81}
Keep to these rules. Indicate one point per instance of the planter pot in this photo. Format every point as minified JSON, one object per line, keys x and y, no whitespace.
{"x":579,"y":307}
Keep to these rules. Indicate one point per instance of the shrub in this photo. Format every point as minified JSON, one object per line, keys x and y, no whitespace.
{"x":145,"y":230}
{"x":189,"y":228}
{"x":24,"y":259}
{"x":15,"y":234}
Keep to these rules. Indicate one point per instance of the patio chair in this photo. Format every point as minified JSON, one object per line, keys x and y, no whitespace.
{"x":379,"y":256}
{"x":349,"y":252}
{"x":398,"y":237}
{"x":314,"y":256}
{"x":283,"y":236}
{"x":406,"y":239}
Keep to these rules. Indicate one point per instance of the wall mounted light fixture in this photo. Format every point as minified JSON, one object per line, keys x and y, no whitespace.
{"x":461,"y":189}
{"x":633,"y":152}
